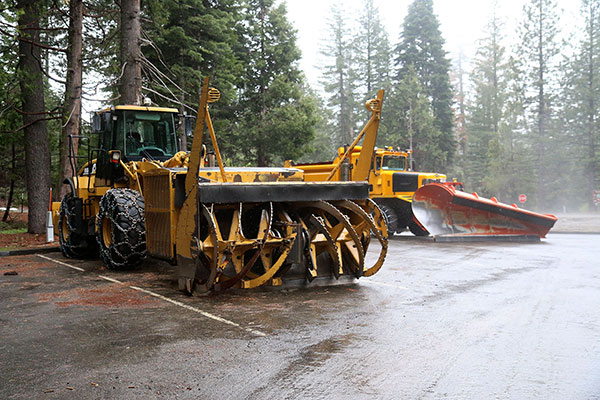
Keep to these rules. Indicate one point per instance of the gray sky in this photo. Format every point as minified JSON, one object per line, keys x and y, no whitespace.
{"x":461,"y":23}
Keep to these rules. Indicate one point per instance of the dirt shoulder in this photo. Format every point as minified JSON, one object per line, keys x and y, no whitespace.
{"x":14,"y":241}
{"x":13,"y":235}
{"x":577,"y":222}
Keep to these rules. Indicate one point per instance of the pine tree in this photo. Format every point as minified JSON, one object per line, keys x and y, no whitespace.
{"x":31,"y":82}
{"x":372,"y":59}
{"x":339,"y":74}
{"x":422,"y":47}
{"x":581,"y":108}
{"x":484,"y":144}
{"x":275,"y":117}
{"x":412,"y":116}
{"x":73,"y":95}
{"x":373,"y":52}
{"x":460,"y":120}
{"x":538,"y":51}
{"x":510,"y":164}
{"x":189,"y":40}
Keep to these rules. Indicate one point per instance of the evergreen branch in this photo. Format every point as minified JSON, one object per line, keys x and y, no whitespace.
{"x":32,"y":42}
{"x":98,"y":16}
{"x":158,"y":75}
{"x":161,"y":59}
{"x":153,"y":69}
{"x":169,"y":99}
{"x":32,"y":123}
{"x":51,"y":112}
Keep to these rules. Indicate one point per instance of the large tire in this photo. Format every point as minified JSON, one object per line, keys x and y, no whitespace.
{"x":391,"y":218}
{"x":73,"y":244}
{"x":121,"y":229}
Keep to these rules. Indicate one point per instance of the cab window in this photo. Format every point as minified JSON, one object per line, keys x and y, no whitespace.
{"x":397,"y":163}
{"x":143,"y":134}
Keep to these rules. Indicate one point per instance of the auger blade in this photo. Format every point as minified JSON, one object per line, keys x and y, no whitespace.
{"x":368,"y":227}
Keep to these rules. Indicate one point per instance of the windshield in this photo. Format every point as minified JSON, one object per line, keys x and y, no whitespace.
{"x":394,"y":162}
{"x":146,"y":134}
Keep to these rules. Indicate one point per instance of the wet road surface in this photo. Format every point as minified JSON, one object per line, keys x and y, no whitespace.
{"x":440,"y":320}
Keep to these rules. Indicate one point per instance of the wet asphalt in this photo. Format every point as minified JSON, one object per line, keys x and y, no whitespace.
{"x":440,"y":320}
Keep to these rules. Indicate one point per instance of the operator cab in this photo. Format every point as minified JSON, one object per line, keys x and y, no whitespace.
{"x":133,"y":133}
{"x":390,"y":162}
{"x":138,"y":132}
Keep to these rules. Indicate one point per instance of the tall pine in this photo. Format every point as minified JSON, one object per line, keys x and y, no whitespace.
{"x":372,"y":48}
{"x":581,"y":110}
{"x":538,"y":52}
{"x":422,"y":47}
{"x":339,"y":74}
{"x":189,"y":40}
{"x":275,"y":117}
{"x":484,"y":144}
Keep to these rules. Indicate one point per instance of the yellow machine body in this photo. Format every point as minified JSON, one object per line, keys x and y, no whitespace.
{"x":224,"y":227}
{"x":392,"y":184}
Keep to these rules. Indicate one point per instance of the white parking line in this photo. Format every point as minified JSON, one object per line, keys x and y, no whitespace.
{"x":110,"y":279}
{"x":383,"y":284}
{"x":62,"y":263}
{"x":197,"y":310}
{"x":175,"y":302}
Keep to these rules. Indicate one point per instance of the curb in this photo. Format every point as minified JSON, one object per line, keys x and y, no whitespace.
{"x":574,"y":233}
{"x":34,"y":250}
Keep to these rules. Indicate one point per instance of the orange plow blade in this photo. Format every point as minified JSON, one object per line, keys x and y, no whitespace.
{"x":448,"y":213}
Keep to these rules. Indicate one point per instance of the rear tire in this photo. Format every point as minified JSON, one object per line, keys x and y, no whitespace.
{"x":391,"y":218}
{"x":121,"y":229}
{"x":72,"y":243}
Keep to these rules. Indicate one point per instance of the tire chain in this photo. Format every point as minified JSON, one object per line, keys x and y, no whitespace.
{"x":391,"y":218}
{"x":67,"y":247}
{"x":125,"y":210}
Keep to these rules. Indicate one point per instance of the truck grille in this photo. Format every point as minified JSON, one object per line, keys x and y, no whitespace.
{"x":157,"y":197}
{"x":402,"y":182}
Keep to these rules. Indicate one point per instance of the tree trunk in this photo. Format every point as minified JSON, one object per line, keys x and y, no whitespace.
{"x":131,"y":53}
{"x":541,"y":181}
{"x":591,"y":168}
{"x":72,"y":105}
{"x":11,"y":191}
{"x":37,"y":155}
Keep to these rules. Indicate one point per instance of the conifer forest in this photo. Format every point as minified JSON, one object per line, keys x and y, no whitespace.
{"x":522,"y":116}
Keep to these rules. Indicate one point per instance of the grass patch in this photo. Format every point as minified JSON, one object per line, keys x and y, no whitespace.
{"x":11,"y":227}
{"x":12,"y":231}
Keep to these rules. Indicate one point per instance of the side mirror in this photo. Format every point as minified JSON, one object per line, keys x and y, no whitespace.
{"x":106,"y":121}
{"x":189,"y":124}
{"x":96,"y":123}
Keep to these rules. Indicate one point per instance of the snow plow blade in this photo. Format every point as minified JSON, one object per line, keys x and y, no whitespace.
{"x":450,"y":214}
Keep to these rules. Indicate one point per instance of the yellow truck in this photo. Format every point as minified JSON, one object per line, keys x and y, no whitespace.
{"x":392,"y":184}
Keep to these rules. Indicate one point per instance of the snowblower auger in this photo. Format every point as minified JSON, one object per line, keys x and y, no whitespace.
{"x":247,"y":227}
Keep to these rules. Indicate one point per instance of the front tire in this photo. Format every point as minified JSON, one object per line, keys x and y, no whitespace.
{"x":391,"y":218}
{"x":73,"y":242}
{"x":121,"y":229}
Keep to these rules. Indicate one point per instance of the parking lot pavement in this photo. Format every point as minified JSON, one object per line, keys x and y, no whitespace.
{"x":439,"y":320}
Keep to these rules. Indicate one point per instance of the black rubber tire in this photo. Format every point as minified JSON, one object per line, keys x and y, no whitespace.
{"x":72,"y":244}
{"x":121,"y":229}
{"x":391,"y":218}
{"x":417,"y":230}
